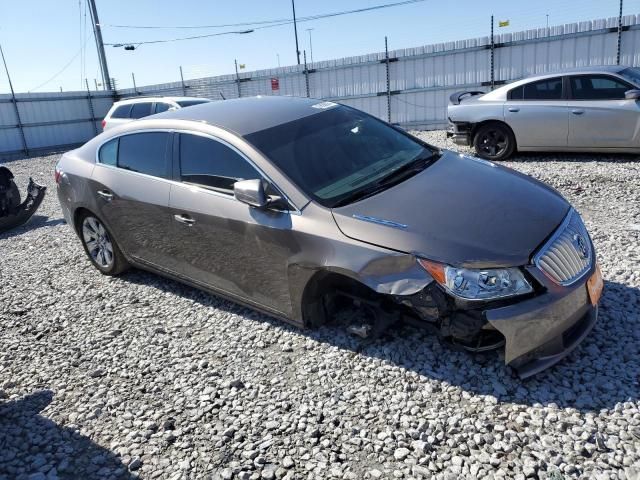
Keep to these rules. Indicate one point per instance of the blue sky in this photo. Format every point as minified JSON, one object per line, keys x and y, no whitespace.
{"x":40,"y":37}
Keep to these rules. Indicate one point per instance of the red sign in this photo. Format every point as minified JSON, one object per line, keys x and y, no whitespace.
{"x":275,"y":84}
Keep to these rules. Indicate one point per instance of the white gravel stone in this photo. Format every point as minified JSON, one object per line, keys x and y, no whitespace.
{"x":102,"y":374}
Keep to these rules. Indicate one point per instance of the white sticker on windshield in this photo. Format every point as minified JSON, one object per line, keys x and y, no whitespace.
{"x":323,"y":105}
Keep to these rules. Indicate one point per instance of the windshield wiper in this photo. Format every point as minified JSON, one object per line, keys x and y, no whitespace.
{"x":393,"y":178}
{"x":409,"y":169}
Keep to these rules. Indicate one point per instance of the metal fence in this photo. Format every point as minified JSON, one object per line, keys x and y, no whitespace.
{"x":32,"y":123}
{"x":409,"y":87}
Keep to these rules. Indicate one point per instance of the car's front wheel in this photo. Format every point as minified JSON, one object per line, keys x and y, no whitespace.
{"x":100,"y":246}
{"x":494,"y":141}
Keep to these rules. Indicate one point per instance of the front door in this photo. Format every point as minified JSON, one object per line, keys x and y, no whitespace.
{"x":223,"y":243}
{"x":599,"y":114}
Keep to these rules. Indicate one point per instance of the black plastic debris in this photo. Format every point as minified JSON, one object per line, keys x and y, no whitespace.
{"x":13,"y":213}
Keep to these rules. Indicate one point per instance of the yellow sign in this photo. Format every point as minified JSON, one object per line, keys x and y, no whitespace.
{"x":242,"y":65}
{"x":503,"y":23}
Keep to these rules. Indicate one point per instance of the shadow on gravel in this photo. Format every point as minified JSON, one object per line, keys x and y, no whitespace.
{"x":35,"y":222}
{"x":600,"y":373}
{"x":32,"y":446}
{"x":574,"y":157}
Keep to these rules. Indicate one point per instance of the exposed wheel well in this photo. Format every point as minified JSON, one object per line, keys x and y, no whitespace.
{"x":478,"y":125}
{"x":326,"y":285}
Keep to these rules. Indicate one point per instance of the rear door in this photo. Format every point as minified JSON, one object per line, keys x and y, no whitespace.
{"x":537,"y":113}
{"x":599,"y":114}
{"x":221,"y":242}
{"x":131,"y":183}
{"x":140,"y":110}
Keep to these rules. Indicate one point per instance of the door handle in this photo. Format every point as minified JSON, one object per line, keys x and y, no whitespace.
{"x":185,"y":219}
{"x":577,"y":111}
{"x":514,"y":109}
{"x":106,"y":194}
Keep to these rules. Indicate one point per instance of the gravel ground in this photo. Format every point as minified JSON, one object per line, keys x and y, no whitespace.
{"x":141,"y":377}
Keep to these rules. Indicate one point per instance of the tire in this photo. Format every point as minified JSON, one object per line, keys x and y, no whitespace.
{"x":100,"y":246}
{"x":494,"y":141}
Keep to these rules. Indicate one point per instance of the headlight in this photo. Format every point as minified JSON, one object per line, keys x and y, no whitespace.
{"x":478,"y":284}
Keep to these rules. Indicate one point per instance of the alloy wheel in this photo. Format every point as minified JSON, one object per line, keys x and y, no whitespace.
{"x":493,"y":143}
{"x":97,"y":241}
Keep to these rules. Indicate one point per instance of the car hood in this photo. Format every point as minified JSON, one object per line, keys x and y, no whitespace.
{"x":461,"y":211}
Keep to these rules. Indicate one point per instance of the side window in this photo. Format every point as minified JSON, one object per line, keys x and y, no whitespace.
{"x":140,"y":110}
{"x":108,"y":153}
{"x":162,"y":107}
{"x":598,"y":87}
{"x":144,"y":153}
{"x":516,"y":93}
{"x":550,"y":89}
{"x":206,"y":162}
{"x":122,"y":111}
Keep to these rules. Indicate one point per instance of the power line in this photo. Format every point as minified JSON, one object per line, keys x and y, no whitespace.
{"x":262,"y":24}
{"x":63,"y":68}
{"x":137,"y":44}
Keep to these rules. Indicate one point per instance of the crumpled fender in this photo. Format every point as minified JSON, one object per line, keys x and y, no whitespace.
{"x":16,"y":215}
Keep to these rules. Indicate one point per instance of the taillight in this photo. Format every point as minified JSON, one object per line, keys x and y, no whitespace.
{"x":104,"y":124}
{"x":57,"y":174}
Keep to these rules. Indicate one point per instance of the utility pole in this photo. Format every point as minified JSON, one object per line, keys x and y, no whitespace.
{"x":295,"y":29}
{"x":25,"y":149}
{"x":310,"y":44}
{"x":102,"y":57}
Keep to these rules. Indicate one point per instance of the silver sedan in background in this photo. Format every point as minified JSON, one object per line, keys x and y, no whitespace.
{"x":594,"y":109}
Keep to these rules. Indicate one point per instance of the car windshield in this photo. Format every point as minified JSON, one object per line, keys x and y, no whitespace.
{"x":189,"y":103}
{"x":632,"y":74}
{"x":335,"y":154}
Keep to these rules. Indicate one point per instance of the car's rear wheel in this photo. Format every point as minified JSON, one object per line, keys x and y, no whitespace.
{"x":100,"y":246}
{"x":494,"y":141}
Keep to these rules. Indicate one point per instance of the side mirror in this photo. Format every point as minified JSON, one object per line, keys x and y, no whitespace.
{"x":633,"y":94}
{"x":171,"y":109}
{"x":251,"y":192}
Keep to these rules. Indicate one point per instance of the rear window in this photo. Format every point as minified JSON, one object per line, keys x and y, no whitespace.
{"x":109,"y":153}
{"x":121,"y":112}
{"x":189,"y":103}
{"x":144,"y":153}
{"x":140,"y":110}
{"x":550,"y":89}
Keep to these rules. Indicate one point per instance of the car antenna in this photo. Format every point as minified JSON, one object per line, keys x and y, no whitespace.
{"x":222,"y":95}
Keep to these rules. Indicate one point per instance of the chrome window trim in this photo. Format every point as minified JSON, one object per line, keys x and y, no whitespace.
{"x":295,"y":211}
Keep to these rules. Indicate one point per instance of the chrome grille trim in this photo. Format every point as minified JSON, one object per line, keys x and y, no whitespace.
{"x":568,"y":255}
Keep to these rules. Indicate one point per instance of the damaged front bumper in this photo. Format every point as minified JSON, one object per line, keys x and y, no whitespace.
{"x":459,"y":133}
{"x":536,"y":331}
{"x":24,"y":211}
{"x":542,"y":330}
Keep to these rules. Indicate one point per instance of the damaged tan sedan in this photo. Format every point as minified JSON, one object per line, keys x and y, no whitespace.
{"x":298,"y":208}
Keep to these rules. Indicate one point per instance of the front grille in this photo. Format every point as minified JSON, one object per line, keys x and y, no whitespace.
{"x":568,"y":255}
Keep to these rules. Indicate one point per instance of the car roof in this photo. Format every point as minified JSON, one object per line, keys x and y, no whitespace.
{"x":499,"y":93}
{"x":125,"y":101}
{"x":244,"y":116}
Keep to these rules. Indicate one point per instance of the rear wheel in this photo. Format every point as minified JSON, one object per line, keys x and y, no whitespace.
{"x":494,"y":141}
{"x":100,"y":246}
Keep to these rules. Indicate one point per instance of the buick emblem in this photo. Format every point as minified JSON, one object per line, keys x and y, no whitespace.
{"x":581,"y":245}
